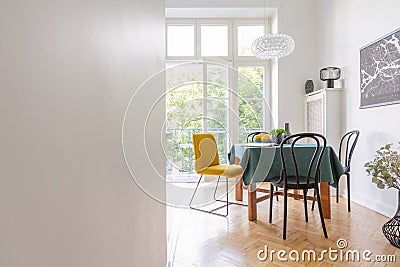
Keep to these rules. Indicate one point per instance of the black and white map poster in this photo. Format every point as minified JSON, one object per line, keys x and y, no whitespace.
{"x":380,"y":71}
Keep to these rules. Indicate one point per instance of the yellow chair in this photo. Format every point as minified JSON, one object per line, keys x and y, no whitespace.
{"x":207,"y":163}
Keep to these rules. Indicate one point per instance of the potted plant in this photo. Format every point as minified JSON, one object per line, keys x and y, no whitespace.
{"x":277,"y":135}
{"x":385,"y":172}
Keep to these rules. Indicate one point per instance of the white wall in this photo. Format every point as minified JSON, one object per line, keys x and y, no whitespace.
{"x":67,"y":71}
{"x":345,"y":27}
{"x":297,"y":19}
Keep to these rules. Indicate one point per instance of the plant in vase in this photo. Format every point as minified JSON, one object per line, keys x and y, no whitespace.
{"x":385,"y":172}
{"x":277,"y":135}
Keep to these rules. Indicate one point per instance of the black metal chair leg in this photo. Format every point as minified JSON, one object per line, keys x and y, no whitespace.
{"x":313,"y":203}
{"x":337,"y":191}
{"x":348,"y":192}
{"x":277,"y":189}
{"x":305,"y":204}
{"x":284,"y":212}
{"x":271,"y":199}
{"x":321,"y":215}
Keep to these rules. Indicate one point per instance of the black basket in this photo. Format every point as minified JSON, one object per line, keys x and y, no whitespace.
{"x":391,"y":230}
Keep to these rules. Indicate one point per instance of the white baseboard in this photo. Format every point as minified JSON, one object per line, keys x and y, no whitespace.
{"x":372,"y":204}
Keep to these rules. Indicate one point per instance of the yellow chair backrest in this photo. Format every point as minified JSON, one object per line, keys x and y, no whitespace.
{"x":205,"y":151}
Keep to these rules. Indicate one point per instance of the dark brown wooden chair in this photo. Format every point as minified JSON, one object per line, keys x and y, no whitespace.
{"x":300,"y":181}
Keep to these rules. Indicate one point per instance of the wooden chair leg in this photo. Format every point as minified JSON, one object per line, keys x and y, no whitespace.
{"x":284,"y":212}
{"x":348,"y":192}
{"x":305,"y":204}
{"x":271,"y":199}
{"x":321,"y":215}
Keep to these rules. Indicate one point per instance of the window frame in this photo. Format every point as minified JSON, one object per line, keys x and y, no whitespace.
{"x":232,"y":37}
{"x":233,"y":60}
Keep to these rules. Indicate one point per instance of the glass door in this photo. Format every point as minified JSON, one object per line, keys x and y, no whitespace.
{"x":197,"y":100}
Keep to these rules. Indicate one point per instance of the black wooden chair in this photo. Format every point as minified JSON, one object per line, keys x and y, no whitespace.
{"x":250,"y":136}
{"x":350,"y":140}
{"x":250,"y":139}
{"x":299,"y":181}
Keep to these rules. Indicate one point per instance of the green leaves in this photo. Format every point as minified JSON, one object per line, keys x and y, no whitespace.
{"x":385,"y":168}
{"x":277,"y":131}
{"x":380,"y":185}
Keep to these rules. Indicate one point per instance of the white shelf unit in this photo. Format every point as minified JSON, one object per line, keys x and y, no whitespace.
{"x":324,"y":114}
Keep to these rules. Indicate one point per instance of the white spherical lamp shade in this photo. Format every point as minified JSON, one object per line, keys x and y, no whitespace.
{"x":272,"y":46}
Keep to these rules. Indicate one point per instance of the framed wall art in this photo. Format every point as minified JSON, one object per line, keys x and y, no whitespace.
{"x":380,"y":71}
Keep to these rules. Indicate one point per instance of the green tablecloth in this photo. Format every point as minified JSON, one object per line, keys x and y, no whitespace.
{"x":261,"y":163}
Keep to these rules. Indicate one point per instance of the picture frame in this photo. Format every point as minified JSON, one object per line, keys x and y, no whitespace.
{"x":380,"y":71}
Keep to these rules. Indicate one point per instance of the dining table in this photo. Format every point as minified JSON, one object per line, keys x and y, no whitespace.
{"x":262,"y":161}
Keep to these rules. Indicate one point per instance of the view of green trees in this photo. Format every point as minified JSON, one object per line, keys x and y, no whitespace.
{"x":187,"y":113}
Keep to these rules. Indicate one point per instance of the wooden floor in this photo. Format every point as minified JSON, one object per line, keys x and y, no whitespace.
{"x":201,"y":239}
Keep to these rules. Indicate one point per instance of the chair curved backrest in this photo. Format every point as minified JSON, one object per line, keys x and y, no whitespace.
{"x":205,"y":151}
{"x":315,"y":160}
{"x":352,"y":138}
{"x":250,"y":136}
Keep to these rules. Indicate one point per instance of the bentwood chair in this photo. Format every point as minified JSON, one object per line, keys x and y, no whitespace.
{"x":207,"y":163}
{"x":297,"y":180}
{"x":250,"y":136}
{"x":250,"y":139}
{"x":350,"y":139}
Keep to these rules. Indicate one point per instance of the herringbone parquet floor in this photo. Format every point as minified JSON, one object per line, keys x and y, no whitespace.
{"x":206,"y":240}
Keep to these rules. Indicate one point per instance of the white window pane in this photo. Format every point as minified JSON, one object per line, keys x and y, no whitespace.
{"x":214,"y":40}
{"x":180,"y":40}
{"x":246,"y":35}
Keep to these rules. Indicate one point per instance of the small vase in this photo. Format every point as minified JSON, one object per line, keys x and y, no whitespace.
{"x":277,"y":139}
{"x":309,"y":86}
{"x":287,"y":133}
{"x":391,"y":229}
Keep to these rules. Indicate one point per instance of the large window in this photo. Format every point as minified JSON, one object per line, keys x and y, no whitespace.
{"x":214,"y":84}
